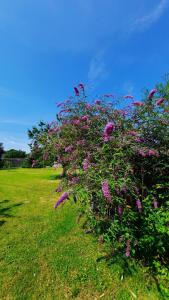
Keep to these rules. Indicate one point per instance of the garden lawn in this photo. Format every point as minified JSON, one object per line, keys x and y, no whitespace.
{"x":45,"y":254}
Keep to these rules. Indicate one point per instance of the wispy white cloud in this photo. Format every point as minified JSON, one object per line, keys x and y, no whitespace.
{"x":128,"y":88}
{"x":97,"y":68}
{"x":147,"y":20}
{"x":16,"y":122}
{"x":14,"y":143}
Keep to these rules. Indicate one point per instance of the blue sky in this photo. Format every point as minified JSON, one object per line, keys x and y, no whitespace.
{"x":49,"y":46}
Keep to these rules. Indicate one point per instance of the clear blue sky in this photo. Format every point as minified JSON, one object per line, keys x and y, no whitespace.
{"x":49,"y":46}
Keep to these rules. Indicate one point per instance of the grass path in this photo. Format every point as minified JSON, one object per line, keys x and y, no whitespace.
{"x":44,"y":254}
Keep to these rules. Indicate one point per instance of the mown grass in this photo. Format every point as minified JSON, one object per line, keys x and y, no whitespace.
{"x":45,"y":254}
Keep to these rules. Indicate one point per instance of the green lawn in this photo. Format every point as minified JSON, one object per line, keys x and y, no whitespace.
{"x":44,"y":253}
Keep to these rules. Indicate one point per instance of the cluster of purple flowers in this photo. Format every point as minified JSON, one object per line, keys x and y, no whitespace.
{"x":81,"y":142}
{"x":84,"y":118}
{"x":86,"y":164}
{"x":109,"y":128}
{"x":76,"y":122}
{"x":69,"y":148}
{"x":106,"y":191}
{"x":148,"y":153}
{"x":74,"y":180}
{"x":139,"y":205}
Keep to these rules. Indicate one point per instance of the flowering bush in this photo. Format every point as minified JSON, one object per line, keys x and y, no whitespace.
{"x":116,"y":164}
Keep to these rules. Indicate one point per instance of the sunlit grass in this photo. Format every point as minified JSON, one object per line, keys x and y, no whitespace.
{"x":45,"y":253}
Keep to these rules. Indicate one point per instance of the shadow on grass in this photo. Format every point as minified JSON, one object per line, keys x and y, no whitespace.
{"x":6,"y":210}
{"x":55,"y":177}
{"x":129,"y":268}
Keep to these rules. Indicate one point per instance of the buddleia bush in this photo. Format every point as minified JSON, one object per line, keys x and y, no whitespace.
{"x":115,"y":157}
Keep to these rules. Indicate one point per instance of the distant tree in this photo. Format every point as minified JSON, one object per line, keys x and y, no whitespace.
{"x":12,"y":153}
{"x":1,"y":153}
{"x":39,"y":141}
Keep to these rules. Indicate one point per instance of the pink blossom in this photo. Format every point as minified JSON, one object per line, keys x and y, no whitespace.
{"x":109,"y":95}
{"x":74,"y":180}
{"x":64,"y":111}
{"x":133,"y":133}
{"x":76,"y":122}
{"x":59,"y":104}
{"x":108,"y":128}
{"x":76,"y":91}
{"x":120,"y":210}
{"x":85,"y":127}
{"x":86,"y":164}
{"x":151,"y":94}
{"x":84,"y":118}
{"x":155,"y":203}
{"x":128,"y":97}
{"x":81,"y":142}
{"x":160,"y":101}
{"x":152,"y":153}
{"x":87,"y":106}
{"x":123,"y":112}
{"x":97,"y":102}
{"x":81,"y":86}
{"x":128,"y":248}
{"x":33,"y":163}
{"x":58,"y":189}
{"x":142,"y":152}
{"x":69,"y":148}
{"x":45,"y":156}
{"x":138,"y":103}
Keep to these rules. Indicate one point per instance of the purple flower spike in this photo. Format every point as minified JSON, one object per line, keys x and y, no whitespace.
{"x":120,"y":210}
{"x":128,"y":248}
{"x":76,"y":91}
{"x":61,"y":199}
{"x":160,"y":101}
{"x":81,"y":86}
{"x":151,"y":94}
{"x":139,"y":206}
{"x":106,"y":191}
{"x":155,"y":203}
{"x":58,"y":189}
